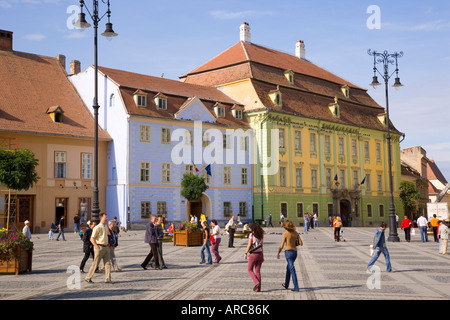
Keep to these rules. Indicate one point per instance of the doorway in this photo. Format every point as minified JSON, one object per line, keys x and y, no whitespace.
{"x":196,"y":209}
{"x":345,"y":210}
{"x":61,"y":210}
{"x":21,"y":210}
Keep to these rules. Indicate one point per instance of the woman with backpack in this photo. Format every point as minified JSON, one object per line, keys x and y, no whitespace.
{"x":255,"y":249}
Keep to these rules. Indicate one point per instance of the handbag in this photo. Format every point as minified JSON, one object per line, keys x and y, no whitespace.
{"x":255,"y":246}
{"x":213,"y":241}
{"x":413,"y":232}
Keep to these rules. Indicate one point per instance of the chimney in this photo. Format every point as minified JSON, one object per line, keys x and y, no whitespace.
{"x":6,"y":40}
{"x":62,"y":59}
{"x":75,"y":67}
{"x":245,"y":32}
{"x":300,"y":50}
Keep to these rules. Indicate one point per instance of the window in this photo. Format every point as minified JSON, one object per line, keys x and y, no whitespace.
{"x":366,"y":150}
{"x":329,"y":177}
{"x":354,"y":148}
{"x":141,"y":100}
{"x":355,"y":179}
{"x":145,"y":171}
{"x":144,"y":133}
{"x":227,"y":209}
{"x":381,"y":208}
{"x":244,"y":176}
{"x":298,"y":140}
{"x":242,"y":209}
{"x":206,"y":139}
{"x":162,"y":103}
{"x":369,"y":210}
{"x":165,"y":172}
{"x":238,"y":114}
{"x":299,"y":177}
{"x":220,"y":111}
{"x":368,"y":182}
{"x":330,"y":210}
{"x":206,"y":176}
{"x":188,"y":137}
{"x":146,"y":209}
{"x":380,"y":182}
{"x":314,"y":178}
{"x":315,"y":209}
{"x":243,"y":145}
{"x":189,"y":168}
{"x":226,"y":141}
{"x":282,"y":140}
{"x":60,"y":164}
{"x":284,"y":209}
{"x":165,"y":136}
{"x":342,"y":177}
{"x":341,"y":146}
{"x":112,"y":100}
{"x":312,"y":142}
{"x":282,"y":176}
{"x":378,"y":151}
{"x":299,"y":210}
{"x":161,"y":208}
{"x":327,"y":144}
{"x":226,"y":175}
{"x":86,"y":166}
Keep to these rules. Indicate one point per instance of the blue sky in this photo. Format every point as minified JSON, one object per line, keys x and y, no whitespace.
{"x":173,"y":37}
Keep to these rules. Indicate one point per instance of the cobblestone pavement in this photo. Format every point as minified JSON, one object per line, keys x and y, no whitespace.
{"x":327,"y":270}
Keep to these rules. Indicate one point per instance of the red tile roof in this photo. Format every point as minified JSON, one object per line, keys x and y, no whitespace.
{"x":177,"y":94}
{"x":30,"y":85}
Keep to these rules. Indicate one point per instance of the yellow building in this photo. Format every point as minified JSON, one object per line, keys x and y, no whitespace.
{"x":41,"y":111}
{"x":329,"y":150}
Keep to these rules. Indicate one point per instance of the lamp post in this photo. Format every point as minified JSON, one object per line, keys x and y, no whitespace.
{"x":386,"y":59}
{"x":109,"y":32}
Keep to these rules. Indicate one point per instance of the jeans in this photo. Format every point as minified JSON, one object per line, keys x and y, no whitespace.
{"x":61,"y":232}
{"x":378,"y":251}
{"x":76,"y":227}
{"x":423,"y":230}
{"x":215,"y":250}
{"x":202,"y":252}
{"x":291,"y":255}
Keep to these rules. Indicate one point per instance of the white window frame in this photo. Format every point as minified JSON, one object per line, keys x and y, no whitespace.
{"x":145,"y":171}
{"x":165,"y":135}
{"x":165,"y":172}
{"x":144,"y":133}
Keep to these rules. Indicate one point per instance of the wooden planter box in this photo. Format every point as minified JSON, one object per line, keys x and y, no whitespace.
{"x":16,"y":267}
{"x":183,"y":238}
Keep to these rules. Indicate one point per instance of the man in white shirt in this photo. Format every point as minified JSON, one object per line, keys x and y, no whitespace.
{"x":422,"y":223}
{"x":231,"y":228}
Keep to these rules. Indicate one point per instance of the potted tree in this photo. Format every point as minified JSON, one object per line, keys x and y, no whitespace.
{"x":17,"y":172}
{"x":186,"y":233}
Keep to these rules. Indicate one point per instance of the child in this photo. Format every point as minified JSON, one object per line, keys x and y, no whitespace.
{"x":50,"y":234}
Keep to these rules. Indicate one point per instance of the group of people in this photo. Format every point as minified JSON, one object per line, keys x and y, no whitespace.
{"x":439,"y":228}
{"x":311,"y":221}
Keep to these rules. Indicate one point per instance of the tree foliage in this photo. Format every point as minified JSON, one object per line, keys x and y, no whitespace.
{"x":193,"y":186}
{"x":18,"y":169}
{"x":409,"y":194}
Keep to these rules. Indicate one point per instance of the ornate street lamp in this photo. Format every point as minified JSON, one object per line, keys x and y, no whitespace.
{"x":109,"y":33}
{"x":386,"y":59}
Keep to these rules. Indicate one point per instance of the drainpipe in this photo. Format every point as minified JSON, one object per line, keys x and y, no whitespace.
{"x":261,"y":156}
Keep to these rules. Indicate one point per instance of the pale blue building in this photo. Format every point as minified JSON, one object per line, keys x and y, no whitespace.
{"x":162,"y":129}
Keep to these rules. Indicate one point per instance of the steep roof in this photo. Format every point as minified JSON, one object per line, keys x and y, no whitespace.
{"x":176,"y":92}
{"x":30,"y":85}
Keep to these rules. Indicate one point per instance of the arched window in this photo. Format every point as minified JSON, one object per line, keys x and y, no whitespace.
{"x":112,"y":100}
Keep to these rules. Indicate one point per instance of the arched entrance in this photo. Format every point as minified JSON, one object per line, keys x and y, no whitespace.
{"x":345,"y":210}
{"x":197,"y":207}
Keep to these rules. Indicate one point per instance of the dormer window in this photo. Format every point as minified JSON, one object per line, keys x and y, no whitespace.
{"x":383,"y":119}
{"x":289,"y":74}
{"x":56,"y":114}
{"x":160,"y":101}
{"x":219,"y":110}
{"x":237,"y":112}
{"x":275,"y":96}
{"x":334,"y":108}
{"x":346,"y":91}
{"x":140,"y":98}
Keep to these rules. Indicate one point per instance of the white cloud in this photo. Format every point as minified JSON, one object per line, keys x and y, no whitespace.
{"x":227,"y":15}
{"x":426,"y":26}
{"x":34,"y":37}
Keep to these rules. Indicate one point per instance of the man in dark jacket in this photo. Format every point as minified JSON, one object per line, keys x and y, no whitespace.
{"x":152,"y":239}
{"x":88,"y":247}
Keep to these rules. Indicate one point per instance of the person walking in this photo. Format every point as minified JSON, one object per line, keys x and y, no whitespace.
{"x":256,"y":259}
{"x":406,"y":226}
{"x":270,"y":220}
{"x":61,"y":229}
{"x":113,"y":243}
{"x":26,"y":230}
{"x":306,"y":222}
{"x":316,"y":221}
{"x":290,"y":239}
{"x":435,"y":224}
{"x":443,"y":234}
{"x":88,"y":247}
{"x":379,"y":245}
{"x":231,"y":229}
{"x":216,"y":234}
{"x":330,"y":221}
{"x":76,"y":223}
{"x":152,"y":240}
{"x":99,"y":239}
{"x":422,"y":223}
{"x":337,"y":224}
{"x":160,"y":238}
{"x":206,"y":243}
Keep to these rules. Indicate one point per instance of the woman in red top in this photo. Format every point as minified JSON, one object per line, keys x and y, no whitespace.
{"x":407,"y":225}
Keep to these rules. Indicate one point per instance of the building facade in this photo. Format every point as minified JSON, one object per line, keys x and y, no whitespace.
{"x":329,"y":153}
{"x":41,"y":111}
{"x":162,"y":129}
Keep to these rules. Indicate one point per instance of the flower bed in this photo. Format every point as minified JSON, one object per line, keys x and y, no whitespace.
{"x":15,"y":252}
{"x":187,"y":234}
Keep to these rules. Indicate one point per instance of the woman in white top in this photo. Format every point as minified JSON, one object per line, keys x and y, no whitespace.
{"x":215,"y":247}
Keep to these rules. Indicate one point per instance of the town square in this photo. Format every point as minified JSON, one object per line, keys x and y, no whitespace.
{"x":225,"y":151}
